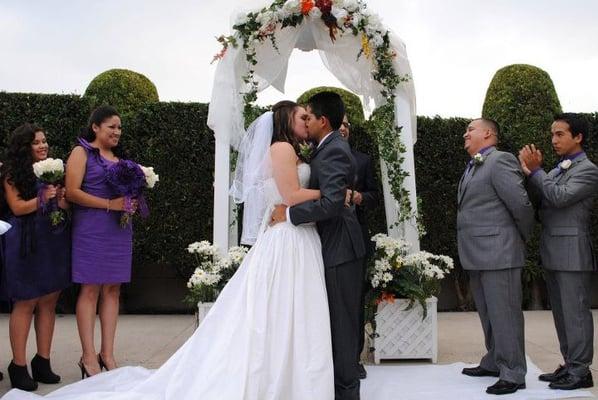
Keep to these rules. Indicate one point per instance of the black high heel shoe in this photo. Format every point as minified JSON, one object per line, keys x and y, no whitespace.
{"x":102,"y":363}
{"x":84,"y":373}
{"x":42,"y":371}
{"x":20,"y":378}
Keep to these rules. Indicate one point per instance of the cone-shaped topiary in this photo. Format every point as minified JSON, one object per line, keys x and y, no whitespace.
{"x":353,"y":107}
{"x":522,"y":99}
{"x":125,"y":90}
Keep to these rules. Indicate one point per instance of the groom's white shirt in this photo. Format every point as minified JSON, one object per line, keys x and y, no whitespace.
{"x":319,"y":144}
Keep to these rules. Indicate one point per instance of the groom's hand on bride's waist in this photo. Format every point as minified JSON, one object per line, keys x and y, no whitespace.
{"x":279,"y":214}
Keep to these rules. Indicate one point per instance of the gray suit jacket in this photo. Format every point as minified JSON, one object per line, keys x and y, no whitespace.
{"x":494,"y":216}
{"x":566,"y":201}
{"x":332,"y":172}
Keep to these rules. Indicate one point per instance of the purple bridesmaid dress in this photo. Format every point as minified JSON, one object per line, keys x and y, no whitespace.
{"x":102,"y":250}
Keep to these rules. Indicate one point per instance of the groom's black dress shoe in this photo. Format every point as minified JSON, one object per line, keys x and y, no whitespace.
{"x":479,"y":371}
{"x":571,"y":382}
{"x":504,"y":387}
{"x":554,"y":376}
{"x":362,"y":373}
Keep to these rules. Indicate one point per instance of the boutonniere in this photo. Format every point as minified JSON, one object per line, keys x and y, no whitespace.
{"x":306,"y":151}
{"x":565,"y":164}
{"x":478,"y":159}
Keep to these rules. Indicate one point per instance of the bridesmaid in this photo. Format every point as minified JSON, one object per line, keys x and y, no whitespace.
{"x":37,"y":257}
{"x":102,"y":250}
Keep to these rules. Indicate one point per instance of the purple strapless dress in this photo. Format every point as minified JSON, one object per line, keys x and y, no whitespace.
{"x":102,"y":250}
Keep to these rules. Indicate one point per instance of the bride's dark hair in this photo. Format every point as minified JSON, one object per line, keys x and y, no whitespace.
{"x":283,"y":115}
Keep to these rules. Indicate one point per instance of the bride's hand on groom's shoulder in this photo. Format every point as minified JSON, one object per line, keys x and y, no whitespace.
{"x":279,"y":214}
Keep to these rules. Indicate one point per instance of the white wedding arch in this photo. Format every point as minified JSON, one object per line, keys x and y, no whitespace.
{"x":257,"y":56}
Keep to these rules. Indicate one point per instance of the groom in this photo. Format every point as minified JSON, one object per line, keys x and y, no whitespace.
{"x":333,"y":172}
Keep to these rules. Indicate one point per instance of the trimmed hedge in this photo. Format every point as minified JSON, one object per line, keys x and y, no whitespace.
{"x":174,"y":138}
{"x":353,"y":107}
{"x":522,"y":99}
{"x":62,"y":116}
{"x":126,"y":90}
{"x":171,"y":137}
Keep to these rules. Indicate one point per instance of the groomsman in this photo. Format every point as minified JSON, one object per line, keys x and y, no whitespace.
{"x":494,"y":219}
{"x":365,"y":196}
{"x":566,"y":196}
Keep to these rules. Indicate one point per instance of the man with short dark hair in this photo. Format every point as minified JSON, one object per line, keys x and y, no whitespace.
{"x":494,"y":218}
{"x":333,"y":173}
{"x":566,"y":195}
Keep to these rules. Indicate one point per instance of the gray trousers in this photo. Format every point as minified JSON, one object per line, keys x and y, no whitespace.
{"x":569,"y":294}
{"x":497,"y":296}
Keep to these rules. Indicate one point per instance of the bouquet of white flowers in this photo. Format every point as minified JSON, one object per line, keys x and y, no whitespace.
{"x":150,"y":176}
{"x":213,"y":271}
{"x":395,"y":273}
{"x":50,"y":172}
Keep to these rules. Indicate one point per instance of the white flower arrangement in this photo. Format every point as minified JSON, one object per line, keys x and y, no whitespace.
{"x":396,"y":273}
{"x":150,"y":176}
{"x":213,"y":271}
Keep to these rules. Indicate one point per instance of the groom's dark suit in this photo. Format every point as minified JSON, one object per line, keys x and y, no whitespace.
{"x":333,"y":172}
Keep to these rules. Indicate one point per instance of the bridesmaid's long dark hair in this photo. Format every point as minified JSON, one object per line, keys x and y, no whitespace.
{"x":98,"y":116}
{"x":17,"y":168}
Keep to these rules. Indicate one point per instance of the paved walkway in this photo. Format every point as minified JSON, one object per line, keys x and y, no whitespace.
{"x":149,"y":340}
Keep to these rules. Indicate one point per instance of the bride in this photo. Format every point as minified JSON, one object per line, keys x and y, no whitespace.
{"x":267,"y":337}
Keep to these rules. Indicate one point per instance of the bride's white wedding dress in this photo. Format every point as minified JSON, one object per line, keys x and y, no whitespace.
{"x":267,"y":337}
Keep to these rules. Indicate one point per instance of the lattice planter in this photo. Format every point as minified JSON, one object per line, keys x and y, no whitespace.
{"x":202,"y":310}
{"x":402,"y":333}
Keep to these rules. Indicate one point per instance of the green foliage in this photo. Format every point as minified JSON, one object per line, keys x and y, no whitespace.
{"x":522,"y":99}
{"x":353,"y":107}
{"x":171,"y":137}
{"x":175,"y":140}
{"x":127,"y":91}
{"x":62,"y":116}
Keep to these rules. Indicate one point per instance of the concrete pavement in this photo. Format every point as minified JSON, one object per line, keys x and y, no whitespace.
{"x":148,"y":340}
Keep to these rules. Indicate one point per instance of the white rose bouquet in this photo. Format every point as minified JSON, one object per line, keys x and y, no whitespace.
{"x":213,"y":271}
{"x":50,"y":172}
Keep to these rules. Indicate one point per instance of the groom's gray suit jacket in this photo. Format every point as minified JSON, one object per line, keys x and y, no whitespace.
{"x":567,"y":199}
{"x":332,"y":172}
{"x":495,"y":216}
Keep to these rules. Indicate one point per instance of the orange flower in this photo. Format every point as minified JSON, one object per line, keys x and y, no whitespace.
{"x":388,"y":297}
{"x":306,"y":6}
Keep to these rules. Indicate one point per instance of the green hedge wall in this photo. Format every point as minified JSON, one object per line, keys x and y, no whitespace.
{"x":174,"y":139}
{"x":171,"y":137}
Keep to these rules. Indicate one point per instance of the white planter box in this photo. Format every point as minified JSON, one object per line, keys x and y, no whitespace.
{"x":402,"y":333}
{"x":202,"y":311}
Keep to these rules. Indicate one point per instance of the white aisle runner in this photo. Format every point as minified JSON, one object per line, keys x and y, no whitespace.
{"x":445,"y":382}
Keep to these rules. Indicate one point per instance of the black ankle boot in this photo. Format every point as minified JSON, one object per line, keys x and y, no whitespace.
{"x":20,"y":378}
{"x":41,"y":370}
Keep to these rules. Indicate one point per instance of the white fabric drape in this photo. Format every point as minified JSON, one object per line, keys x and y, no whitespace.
{"x":225,"y":115}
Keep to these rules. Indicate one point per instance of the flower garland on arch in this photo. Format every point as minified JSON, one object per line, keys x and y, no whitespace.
{"x":341,"y":17}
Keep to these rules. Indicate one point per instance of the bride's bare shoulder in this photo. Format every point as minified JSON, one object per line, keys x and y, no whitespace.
{"x":282,"y":149}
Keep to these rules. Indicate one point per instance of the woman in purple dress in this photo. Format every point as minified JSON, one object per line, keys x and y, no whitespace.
{"x":36,"y":256}
{"x":102,"y":249}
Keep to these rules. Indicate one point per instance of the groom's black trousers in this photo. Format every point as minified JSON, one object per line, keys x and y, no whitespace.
{"x":344,"y":285}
